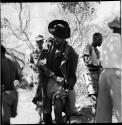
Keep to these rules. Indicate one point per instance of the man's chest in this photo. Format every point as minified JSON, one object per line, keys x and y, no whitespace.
{"x":56,"y":56}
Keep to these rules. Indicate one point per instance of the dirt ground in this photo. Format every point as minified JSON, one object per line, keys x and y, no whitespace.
{"x":26,"y":109}
{"x":27,"y":113}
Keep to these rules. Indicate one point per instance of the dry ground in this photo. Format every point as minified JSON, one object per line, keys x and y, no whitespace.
{"x":28,"y":115}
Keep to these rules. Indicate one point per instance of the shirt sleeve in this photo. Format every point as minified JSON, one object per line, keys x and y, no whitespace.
{"x":18,"y":74}
{"x":31,"y":58}
{"x":73,"y":61}
{"x":86,"y":54}
{"x":87,"y":50}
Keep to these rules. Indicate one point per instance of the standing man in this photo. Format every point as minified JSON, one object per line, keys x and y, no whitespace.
{"x":9,"y":77}
{"x":91,"y":57}
{"x":34,"y":58}
{"x":62,"y":63}
{"x":110,"y":83}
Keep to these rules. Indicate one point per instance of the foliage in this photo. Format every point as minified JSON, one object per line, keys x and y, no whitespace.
{"x":19,"y":29}
{"x":16,"y":32}
{"x":77,"y":13}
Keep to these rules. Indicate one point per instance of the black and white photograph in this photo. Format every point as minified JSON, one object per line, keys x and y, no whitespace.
{"x":61,"y":62}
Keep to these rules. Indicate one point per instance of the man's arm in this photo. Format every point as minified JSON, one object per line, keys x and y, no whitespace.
{"x":73,"y":61}
{"x":18,"y":74}
{"x":86,"y":54}
{"x":31,"y":58}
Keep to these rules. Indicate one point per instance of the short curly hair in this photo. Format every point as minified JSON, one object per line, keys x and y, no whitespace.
{"x":97,"y":35}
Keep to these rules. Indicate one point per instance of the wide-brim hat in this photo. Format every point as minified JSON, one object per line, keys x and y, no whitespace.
{"x":59,"y":28}
{"x":39,"y":38}
{"x":115,"y":25}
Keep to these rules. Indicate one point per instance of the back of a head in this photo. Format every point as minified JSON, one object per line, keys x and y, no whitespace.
{"x":97,"y":35}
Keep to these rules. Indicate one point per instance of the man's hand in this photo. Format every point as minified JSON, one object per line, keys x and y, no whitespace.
{"x":16,"y":83}
{"x":59,"y":79}
{"x":51,"y":74}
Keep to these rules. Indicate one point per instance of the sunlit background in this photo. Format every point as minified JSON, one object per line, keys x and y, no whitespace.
{"x":20,"y":27}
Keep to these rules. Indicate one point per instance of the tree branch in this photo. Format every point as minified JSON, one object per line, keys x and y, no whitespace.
{"x":27,"y":22}
{"x":9,"y":52}
{"x":79,"y":26}
{"x":17,"y":36}
{"x":20,"y":19}
{"x":30,"y":45}
{"x":18,"y":52}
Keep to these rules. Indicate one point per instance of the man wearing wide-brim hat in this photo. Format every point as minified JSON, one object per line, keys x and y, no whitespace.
{"x":62,"y":62}
{"x":109,"y":98}
{"x":59,"y":28}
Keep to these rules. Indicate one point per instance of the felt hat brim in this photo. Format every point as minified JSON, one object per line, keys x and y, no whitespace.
{"x":59,"y":28}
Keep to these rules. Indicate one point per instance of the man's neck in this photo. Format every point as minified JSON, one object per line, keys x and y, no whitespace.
{"x":60,"y":46}
{"x":95,"y":46}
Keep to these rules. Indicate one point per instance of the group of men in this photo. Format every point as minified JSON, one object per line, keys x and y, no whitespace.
{"x":56,"y":62}
{"x":61,"y":64}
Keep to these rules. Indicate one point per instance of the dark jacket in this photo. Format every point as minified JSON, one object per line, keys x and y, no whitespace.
{"x":9,"y":73}
{"x":68,"y":65}
{"x":62,"y":64}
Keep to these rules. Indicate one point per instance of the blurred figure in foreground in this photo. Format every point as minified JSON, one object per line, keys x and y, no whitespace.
{"x":109,"y":97}
{"x":10,"y":78}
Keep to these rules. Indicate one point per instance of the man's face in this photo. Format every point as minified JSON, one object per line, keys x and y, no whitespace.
{"x":97,"y":41}
{"x":58,"y":40}
{"x":39,"y":44}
